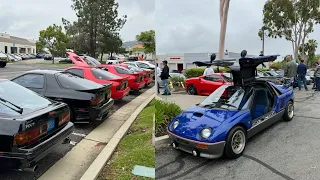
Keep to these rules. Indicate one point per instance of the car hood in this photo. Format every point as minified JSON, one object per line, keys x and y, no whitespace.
{"x":194,"y":119}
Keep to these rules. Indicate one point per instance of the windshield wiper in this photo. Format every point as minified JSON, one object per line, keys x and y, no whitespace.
{"x":20,"y":109}
{"x":230,"y":105}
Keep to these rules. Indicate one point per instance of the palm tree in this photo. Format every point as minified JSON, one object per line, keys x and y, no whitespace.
{"x":224,"y":8}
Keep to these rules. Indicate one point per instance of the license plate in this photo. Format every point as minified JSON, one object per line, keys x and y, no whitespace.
{"x":51,"y":125}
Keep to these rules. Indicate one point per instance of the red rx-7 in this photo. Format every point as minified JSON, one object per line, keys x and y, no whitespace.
{"x":119,"y":88}
{"x":205,"y":85}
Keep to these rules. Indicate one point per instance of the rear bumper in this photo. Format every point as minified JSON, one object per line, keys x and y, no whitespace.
{"x":97,"y":113}
{"x":212,"y":150}
{"x":120,"y":94}
{"x":30,"y":156}
{"x":137,"y":85}
{"x":147,"y":80}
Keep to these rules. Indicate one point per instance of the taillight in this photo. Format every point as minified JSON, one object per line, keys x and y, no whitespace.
{"x":64,"y":118}
{"x":27,"y":137}
{"x":97,"y":100}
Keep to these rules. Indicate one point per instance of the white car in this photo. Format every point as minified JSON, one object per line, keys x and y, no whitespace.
{"x":113,"y":62}
{"x":141,"y":64}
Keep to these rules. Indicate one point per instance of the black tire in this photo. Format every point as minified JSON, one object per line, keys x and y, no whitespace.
{"x":3,"y":64}
{"x":192,"y":90}
{"x":289,"y":112}
{"x":228,"y":149}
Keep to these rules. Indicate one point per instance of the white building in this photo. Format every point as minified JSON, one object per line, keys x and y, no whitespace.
{"x":184,"y":60}
{"x":11,"y":44}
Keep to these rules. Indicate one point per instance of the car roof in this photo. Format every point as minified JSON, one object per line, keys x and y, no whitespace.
{"x":44,"y":71}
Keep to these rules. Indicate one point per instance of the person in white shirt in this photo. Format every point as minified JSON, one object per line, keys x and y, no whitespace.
{"x":208,"y":71}
{"x":158,"y":72}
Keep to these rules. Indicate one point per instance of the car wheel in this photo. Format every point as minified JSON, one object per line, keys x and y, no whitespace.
{"x":289,"y":112}
{"x":236,"y":142}
{"x":3,"y":64}
{"x":192,"y":90}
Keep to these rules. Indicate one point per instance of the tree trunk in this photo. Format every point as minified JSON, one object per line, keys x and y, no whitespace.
{"x":223,"y":28}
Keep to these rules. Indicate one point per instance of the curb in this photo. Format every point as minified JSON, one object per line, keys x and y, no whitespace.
{"x":162,"y":141}
{"x":154,"y":131}
{"x":93,"y":172}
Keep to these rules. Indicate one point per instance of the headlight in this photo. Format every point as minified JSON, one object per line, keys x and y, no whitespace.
{"x":175,"y":124}
{"x":205,"y":133}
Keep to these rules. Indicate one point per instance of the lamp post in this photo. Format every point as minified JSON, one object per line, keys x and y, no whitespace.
{"x":79,"y":16}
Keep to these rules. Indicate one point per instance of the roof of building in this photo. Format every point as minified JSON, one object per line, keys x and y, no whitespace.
{"x":17,"y":40}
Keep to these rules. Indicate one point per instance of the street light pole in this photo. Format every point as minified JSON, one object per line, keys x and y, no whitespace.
{"x":76,"y":45}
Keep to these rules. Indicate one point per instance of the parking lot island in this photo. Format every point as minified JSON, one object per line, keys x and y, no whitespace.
{"x":106,"y":136}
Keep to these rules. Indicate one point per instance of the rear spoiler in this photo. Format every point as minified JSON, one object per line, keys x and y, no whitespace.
{"x":94,"y":91}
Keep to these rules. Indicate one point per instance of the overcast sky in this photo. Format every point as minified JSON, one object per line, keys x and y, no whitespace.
{"x":26,"y":18}
{"x":193,"y":26}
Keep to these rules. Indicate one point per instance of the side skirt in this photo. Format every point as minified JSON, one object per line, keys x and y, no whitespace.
{"x":264,"y":123}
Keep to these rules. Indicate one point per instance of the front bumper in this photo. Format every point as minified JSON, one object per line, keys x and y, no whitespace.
{"x":30,"y":156}
{"x":120,"y":94}
{"x":211,"y":150}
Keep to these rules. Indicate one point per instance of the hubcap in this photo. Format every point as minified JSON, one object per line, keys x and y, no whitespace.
{"x":238,"y":142}
{"x":191,"y":90}
{"x":290,"y":110}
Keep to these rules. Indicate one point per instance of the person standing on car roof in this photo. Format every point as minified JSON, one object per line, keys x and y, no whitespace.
{"x":290,"y":69}
{"x":158,"y":73}
{"x":165,"y":78}
{"x":208,"y":71}
{"x":302,"y":71}
{"x":317,"y":76}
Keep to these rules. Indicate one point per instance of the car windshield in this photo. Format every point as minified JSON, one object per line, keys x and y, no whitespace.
{"x":225,"y":97}
{"x":102,"y":74}
{"x":227,"y":76}
{"x":20,"y":96}
{"x":135,"y":69}
{"x":70,"y":81}
{"x":91,"y":61}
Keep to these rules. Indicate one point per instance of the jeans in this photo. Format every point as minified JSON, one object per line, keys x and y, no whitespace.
{"x":317,"y":81}
{"x":302,"y":78}
{"x":166,"y":86}
{"x":158,"y":87}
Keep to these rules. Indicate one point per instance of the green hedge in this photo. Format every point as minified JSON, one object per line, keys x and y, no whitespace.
{"x":263,"y":69}
{"x":164,"y":113}
{"x":196,"y":72}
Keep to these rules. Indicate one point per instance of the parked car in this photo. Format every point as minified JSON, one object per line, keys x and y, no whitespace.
{"x":224,"y":121}
{"x":66,"y":61}
{"x":48,"y":57}
{"x":88,"y":101}
{"x":205,"y":85}
{"x":11,"y":58}
{"x":40,"y":55}
{"x":31,"y":126}
{"x":147,"y":75}
{"x":18,"y":58}
{"x":120,"y":86}
{"x":23,"y":56}
{"x":31,"y":56}
{"x":3,"y":60}
{"x":136,"y":80}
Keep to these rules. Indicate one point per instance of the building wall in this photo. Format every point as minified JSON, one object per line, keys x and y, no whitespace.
{"x":16,"y":45}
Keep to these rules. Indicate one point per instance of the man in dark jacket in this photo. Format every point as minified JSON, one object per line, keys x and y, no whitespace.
{"x":165,"y":78}
{"x":302,"y":71}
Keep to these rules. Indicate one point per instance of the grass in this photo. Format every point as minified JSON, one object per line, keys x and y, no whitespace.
{"x":134,"y":149}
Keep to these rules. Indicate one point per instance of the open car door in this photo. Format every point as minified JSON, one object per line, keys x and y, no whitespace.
{"x":77,"y":60}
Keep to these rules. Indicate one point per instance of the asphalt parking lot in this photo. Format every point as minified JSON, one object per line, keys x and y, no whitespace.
{"x":80,"y":131}
{"x":286,"y":150}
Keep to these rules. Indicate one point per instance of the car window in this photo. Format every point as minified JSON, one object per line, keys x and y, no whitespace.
{"x":20,"y":96}
{"x":78,"y":72}
{"x":213,"y":78}
{"x":102,"y":74}
{"x":31,"y":81}
{"x":70,"y":81}
{"x":122,"y":70}
{"x":142,"y":65}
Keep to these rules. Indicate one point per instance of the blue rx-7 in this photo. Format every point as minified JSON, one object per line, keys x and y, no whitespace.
{"x":223,"y":122}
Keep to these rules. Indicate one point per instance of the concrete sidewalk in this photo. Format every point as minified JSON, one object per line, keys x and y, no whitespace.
{"x":74,"y":164}
{"x":185,"y":101}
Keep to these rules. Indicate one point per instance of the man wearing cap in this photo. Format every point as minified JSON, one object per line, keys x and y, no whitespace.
{"x":165,"y":78}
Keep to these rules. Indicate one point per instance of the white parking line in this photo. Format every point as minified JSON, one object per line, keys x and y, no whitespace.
{"x":79,"y":134}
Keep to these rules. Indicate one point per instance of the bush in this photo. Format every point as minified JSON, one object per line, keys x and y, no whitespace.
{"x":164,"y":113}
{"x":196,"y":72}
{"x":263,"y":69}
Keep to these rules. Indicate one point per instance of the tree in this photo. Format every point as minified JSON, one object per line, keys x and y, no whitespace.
{"x":96,"y":18}
{"x":310,"y":51}
{"x":55,"y":39}
{"x":292,"y":20}
{"x":147,"y":38}
{"x":40,"y":46}
{"x":224,"y":8}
